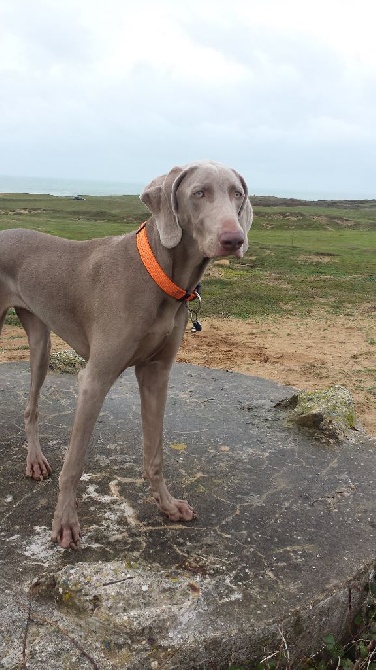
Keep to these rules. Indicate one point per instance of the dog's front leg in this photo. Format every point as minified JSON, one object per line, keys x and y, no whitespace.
{"x":153,"y":380}
{"x":92,"y":390}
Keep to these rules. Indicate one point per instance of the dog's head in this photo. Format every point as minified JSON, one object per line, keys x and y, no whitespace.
{"x":209,"y":201}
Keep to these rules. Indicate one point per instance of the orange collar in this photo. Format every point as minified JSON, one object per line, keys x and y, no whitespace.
{"x":155,"y":271}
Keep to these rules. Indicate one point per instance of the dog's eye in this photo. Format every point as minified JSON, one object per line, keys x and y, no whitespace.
{"x":199,"y":193}
{"x":238,"y":194}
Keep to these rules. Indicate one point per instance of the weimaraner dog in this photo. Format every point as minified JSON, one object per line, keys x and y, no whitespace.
{"x":104,"y":300}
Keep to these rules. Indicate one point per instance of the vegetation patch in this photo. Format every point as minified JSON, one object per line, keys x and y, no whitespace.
{"x":330,"y":410}
{"x":11,"y":318}
{"x":66,"y":361}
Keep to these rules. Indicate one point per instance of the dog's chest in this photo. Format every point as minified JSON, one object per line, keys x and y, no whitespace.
{"x":168,"y":323}
{"x":163,"y":325}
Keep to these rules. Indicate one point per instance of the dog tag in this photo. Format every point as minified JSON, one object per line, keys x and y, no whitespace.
{"x":196,"y":327}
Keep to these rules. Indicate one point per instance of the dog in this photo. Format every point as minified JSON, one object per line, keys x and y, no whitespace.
{"x":120,"y":302}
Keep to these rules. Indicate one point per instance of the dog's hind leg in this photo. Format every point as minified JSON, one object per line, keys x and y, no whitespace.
{"x":38,"y":334}
{"x":2,"y":319}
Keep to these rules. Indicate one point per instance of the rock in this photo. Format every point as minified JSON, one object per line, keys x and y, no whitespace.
{"x":222,"y":262}
{"x":284,"y":541}
{"x":66,"y":361}
{"x":330,"y":410}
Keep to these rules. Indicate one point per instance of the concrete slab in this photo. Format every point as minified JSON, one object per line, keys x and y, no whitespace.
{"x":284,"y":542}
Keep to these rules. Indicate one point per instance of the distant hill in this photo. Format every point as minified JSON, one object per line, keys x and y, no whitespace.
{"x":275,"y":201}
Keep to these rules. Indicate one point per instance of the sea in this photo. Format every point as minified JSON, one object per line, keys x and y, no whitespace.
{"x":67,"y":187}
{"x":74,"y":187}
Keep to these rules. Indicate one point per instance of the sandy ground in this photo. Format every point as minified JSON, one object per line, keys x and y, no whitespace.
{"x":314,"y":352}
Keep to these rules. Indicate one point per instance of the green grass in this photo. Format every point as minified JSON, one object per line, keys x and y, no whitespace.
{"x":74,"y":219}
{"x":301,"y":259}
{"x":302,"y":256}
{"x":336,"y":272}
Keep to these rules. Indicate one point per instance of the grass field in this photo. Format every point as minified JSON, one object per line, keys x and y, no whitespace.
{"x":302,"y":255}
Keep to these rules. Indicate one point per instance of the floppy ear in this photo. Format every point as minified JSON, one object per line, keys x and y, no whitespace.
{"x":160,"y":198}
{"x":245,"y":214}
{"x":245,"y":220}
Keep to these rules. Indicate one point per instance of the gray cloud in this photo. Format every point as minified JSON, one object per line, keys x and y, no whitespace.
{"x":111,"y":90}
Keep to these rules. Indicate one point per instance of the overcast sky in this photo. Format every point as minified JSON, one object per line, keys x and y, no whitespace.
{"x":282,"y":90}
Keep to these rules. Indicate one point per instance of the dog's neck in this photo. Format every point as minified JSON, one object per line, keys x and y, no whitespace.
{"x":184,"y":264}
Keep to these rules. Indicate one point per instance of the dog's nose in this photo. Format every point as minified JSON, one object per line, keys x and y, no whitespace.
{"x":231,"y":241}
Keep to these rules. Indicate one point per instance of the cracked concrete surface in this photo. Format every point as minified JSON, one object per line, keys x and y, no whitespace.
{"x":285,"y":538}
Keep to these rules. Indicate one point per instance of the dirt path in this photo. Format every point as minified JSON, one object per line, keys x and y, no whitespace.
{"x":310,"y":353}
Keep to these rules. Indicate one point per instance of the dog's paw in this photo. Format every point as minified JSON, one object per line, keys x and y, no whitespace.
{"x":173,"y":508}
{"x":67,"y":538}
{"x":180,"y":510}
{"x":66,"y":530}
{"x":37,"y":467}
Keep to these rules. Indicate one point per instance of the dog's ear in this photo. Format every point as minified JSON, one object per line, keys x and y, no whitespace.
{"x":245,"y":214}
{"x":160,"y":198}
{"x":245,"y":220}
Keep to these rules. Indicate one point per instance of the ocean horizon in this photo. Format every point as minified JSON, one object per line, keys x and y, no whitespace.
{"x":67,"y":187}
{"x":72,"y":187}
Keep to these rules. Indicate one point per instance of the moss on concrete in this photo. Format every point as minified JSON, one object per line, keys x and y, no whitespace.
{"x":66,"y":361}
{"x":330,"y":410}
